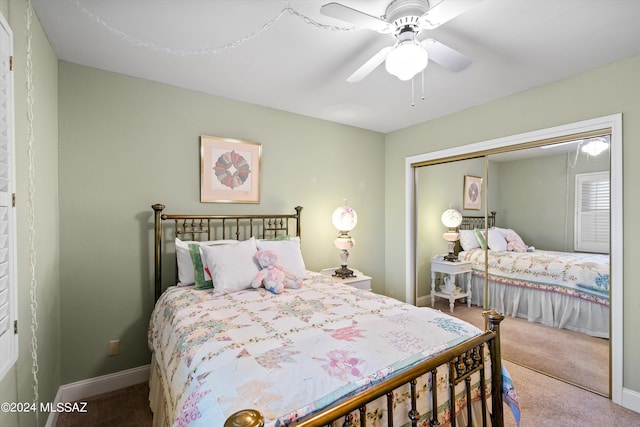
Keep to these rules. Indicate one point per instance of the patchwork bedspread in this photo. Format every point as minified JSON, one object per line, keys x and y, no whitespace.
{"x":582,"y":275}
{"x":290,"y":354}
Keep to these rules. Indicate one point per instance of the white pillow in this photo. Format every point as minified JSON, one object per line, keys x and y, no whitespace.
{"x":497,"y":242}
{"x":511,"y":236}
{"x":468,"y":240}
{"x":289,"y":255}
{"x":232,"y":267}
{"x":186,"y":270}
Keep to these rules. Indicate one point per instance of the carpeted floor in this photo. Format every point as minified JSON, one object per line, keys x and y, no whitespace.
{"x":570,"y":356}
{"x":127,"y":407}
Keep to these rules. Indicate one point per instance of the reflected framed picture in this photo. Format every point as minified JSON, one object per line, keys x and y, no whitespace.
{"x":472,"y":196}
{"x":229,"y":170}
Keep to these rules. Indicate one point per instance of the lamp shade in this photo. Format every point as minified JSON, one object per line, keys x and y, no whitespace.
{"x":451,"y":218}
{"x":406,"y":60}
{"x":344,"y":218}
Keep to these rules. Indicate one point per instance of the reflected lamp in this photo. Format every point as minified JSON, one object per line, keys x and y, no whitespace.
{"x":451,"y":218}
{"x":344,"y":219}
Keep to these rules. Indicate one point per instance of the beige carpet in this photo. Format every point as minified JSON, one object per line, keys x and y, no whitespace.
{"x":545,"y":401}
{"x":567,"y":355}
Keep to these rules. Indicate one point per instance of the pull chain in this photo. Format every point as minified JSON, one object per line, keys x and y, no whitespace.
{"x":413,"y":104}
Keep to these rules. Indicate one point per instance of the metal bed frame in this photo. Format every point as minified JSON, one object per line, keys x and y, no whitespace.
{"x":463,"y":360}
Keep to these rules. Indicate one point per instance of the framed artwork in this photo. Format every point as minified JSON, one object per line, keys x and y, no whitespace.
{"x":472,"y":195}
{"x":229,"y":170}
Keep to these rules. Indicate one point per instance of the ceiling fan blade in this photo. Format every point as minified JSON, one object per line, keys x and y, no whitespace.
{"x":353,"y":16}
{"x":445,"y":56}
{"x":445,"y":11}
{"x":370,"y":65}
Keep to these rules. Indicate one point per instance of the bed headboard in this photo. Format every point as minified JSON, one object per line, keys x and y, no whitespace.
{"x":473,"y":222}
{"x":216,"y":227}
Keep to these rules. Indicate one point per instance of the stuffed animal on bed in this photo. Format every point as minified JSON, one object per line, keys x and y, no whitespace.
{"x":273,"y":276}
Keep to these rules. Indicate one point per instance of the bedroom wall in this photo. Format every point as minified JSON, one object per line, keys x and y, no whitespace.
{"x":541,"y":207}
{"x":17,"y":385}
{"x":127,"y":143}
{"x":615,"y":87}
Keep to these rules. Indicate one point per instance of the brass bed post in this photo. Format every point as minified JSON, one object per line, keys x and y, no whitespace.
{"x":158,"y":208}
{"x":298,"y":209}
{"x":493,"y":318}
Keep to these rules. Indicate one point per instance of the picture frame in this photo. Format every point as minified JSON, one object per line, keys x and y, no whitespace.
{"x":229,"y":170}
{"x":472,"y":192}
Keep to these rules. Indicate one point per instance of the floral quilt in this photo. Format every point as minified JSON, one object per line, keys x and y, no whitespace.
{"x":290,"y":354}
{"x":583,"y":275}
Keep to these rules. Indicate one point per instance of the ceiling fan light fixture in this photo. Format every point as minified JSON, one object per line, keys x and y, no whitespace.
{"x":595,"y":146}
{"x":406,"y":60}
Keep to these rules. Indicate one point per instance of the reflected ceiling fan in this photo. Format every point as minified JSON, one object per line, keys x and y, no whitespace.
{"x":405,"y":19}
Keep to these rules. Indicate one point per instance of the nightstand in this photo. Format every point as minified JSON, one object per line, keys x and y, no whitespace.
{"x":359,"y":281}
{"x":451,"y":269}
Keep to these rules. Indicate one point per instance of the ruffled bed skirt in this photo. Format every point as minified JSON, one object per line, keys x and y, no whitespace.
{"x":548,"y":308}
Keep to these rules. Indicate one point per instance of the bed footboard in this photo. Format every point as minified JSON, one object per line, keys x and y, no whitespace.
{"x":463,"y":361}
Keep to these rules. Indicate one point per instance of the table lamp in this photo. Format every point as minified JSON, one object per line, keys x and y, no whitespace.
{"x":451,"y":218}
{"x":344,"y":218}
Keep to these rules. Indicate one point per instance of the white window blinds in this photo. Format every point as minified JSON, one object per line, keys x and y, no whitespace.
{"x":592,"y":212}
{"x":8,"y":294}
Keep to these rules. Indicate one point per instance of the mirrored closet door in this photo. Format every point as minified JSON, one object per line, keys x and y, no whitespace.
{"x":547,"y":267}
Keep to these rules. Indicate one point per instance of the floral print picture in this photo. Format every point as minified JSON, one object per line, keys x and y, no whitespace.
{"x":472,"y":196}
{"x":229,"y":170}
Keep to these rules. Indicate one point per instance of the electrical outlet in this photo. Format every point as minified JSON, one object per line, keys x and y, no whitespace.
{"x":114,"y":348}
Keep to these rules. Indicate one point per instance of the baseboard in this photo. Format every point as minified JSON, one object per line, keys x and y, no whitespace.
{"x":631,"y":399}
{"x":424,"y":301}
{"x":98,"y":385}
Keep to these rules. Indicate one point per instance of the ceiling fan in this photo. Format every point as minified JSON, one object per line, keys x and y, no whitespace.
{"x":405,"y":19}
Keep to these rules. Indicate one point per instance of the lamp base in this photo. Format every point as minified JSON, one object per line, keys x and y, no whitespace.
{"x":451,"y":257}
{"x":343,"y":272}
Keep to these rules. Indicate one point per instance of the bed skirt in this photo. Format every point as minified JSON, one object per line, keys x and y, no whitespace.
{"x":547,"y":308}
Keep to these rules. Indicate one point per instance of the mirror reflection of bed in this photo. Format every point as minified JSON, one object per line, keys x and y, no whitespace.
{"x":556,"y":296}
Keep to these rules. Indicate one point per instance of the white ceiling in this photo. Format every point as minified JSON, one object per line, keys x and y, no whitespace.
{"x":295,"y":66}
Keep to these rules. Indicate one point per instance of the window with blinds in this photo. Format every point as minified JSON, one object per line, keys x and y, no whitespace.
{"x":592,"y":212}
{"x":8,"y":290}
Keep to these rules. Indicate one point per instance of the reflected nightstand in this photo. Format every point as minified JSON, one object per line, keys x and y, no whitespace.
{"x":451,"y":269}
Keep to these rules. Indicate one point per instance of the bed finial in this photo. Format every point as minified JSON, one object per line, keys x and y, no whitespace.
{"x":245,"y":418}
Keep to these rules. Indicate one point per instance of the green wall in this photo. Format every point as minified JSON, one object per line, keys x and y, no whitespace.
{"x":616,"y":89}
{"x":537,"y":197}
{"x":127,"y":143}
{"x":17,"y":385}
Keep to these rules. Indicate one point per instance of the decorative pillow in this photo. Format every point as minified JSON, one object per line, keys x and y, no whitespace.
{"x":190,"y":265}
{"x":288,"y":253}
{"x":512,"y":237}
{"x":480,"y":237}
{"x":232,"y":267}
{"x":468,"y":240}
{"x":497,"y":242}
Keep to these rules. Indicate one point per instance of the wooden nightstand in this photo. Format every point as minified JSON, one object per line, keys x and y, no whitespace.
{"x":360,"y":281}
{"x":452,"y":269}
